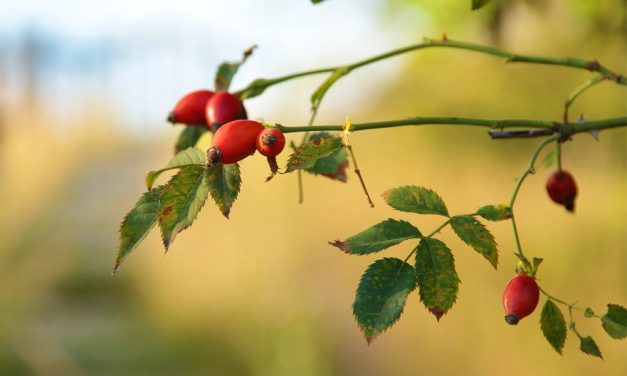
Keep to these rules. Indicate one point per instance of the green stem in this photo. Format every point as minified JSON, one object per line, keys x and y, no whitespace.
{"x":562,"y":302}
{"x":258,"y":86}
{"x":439,"y":228}
{"x":580,"y":90}
{"x":559,"y":156}
{"x":486,"y":123}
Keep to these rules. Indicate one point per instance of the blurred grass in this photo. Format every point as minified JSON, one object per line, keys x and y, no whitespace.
{"x":263,"y":293}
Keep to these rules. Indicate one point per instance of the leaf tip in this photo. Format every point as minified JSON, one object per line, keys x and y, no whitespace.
{"x":341,"y":245}
{"x":437,"y":312}
{"x":116,"y":267}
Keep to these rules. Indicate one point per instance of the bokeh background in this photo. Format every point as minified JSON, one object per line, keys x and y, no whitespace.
{"x":85,"y":89}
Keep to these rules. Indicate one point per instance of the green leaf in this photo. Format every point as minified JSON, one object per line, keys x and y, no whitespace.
{"x":227,"y":70}
{"x":306,"y":155}
{"x":332,"y":166}
{"x":495,"y":212}
{"x":381,"y":295}
{"x":615,"y":321}
{"x":477,"y":4}
{"x":437,"y":278}
{"x":138,"y":222}
{"x":588,"y":346}
{"x":588,"y":312}
{"x":415,"y":200}
{"x":553,"y":325}
{"x":316,"y":1}
{"x":550,"y":158}
{"x":224,"y":184}
{"x":476,"y":235}
{"x":316,"y":97}
{"x":186,"y":158}
{"x":255,"y":88}
{"x":189,"y":137}
{"x":184,"y":196}
{"x":378,"y":237}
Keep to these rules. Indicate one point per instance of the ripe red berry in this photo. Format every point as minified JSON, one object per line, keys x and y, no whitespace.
{"x":222,"y":108}
{"x":562,"y":189}
{"x":190,"y":109}
{"x":234,"y":141}
{"x":520,"y":298}
{"x":270,"y":142}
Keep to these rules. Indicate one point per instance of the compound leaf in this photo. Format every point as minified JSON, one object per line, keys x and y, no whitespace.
{"x":184,"y":196}
{"x":224,"y":185}
{"x":188,"y":157}
{"x":476,"y":235}
{"x":381,"y":295}
{"x":415,"y":200}
{"x":437,"y":278}
{"x":553,"y":325}
{"x":378,"y":237}
{"x":138,"y":222}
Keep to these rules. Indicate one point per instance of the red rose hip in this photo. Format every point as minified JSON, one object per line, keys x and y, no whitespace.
{"x":270,"y":142}
{"x":234,"y":141}
{"x":222,"y":108}
{"x":562,"y":189}
{"x":520,"y":298}
{"x":190,"y":109}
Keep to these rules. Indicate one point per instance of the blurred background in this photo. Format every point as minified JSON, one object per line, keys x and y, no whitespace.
{"x":85,"y":90}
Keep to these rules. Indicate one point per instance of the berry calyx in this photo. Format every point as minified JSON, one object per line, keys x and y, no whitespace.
{"x":190,"y":109}
{"x":562,"y":189}
{"x":270,"y":142}
{"x":234,"y":141}
{"x":222,"y":108}
{"x":520,"y":298}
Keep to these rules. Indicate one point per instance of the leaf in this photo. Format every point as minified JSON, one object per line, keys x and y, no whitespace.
{"x":255,"y":88}
{"x":189,"y":137}
{"x":437,"y":278}
{"x":138,"y":222}
{"x":316,"y":1}
{"x":553,"y":325}
{"x":184,"y":196}
{"x":550,"y":158}
{"x":332,"y":166}
{"x":588,"y":346}
{"x":477,"y":4}
{"x":381,"y":295}
{"x":316,"y":97}
{"x":227,"y":70}
{"x":188,"y":157}
{"x":615,"y":321}
{"x":306,"y":155}
{"x":495,"y":212}
{"x":588,"y":312}
{"x":378,"y":237}
{"x":415,"y":200}
{"x":224,"y":185}
{"x":476,"y":235}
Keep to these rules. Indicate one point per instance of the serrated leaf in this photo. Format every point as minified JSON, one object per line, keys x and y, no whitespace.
{"x":186,"y":158}
{"x":378,"y":237}
{"x":188,"y":138}
{"x":184,"y":196}
{"x":227,"y":70}
{"x":415,"y":199}
{"x":437,"y":278}
{"x":224,"y":185}
{"x":477,"y":4}
{"x":381,"y":295}
{"x":476,"y":235}
{"x":495,"y":212}
{"x":316,"y":97}
{"x":553,"y":325}
{"x":615,"y":321}
{"x":332,"y":166}
{"x":138,"y":222}
{"x":588,"y":346}
{"x":306,"y":155}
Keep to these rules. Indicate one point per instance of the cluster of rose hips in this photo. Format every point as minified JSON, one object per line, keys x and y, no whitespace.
{"x":234,"y":137}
